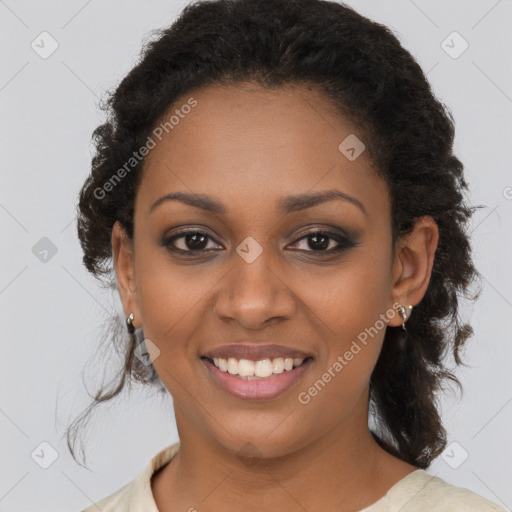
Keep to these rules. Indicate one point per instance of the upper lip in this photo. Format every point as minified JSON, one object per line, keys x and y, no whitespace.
{"x":255,"y":352}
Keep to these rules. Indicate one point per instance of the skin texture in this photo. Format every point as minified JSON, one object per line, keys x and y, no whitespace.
{"x":249,"y":147}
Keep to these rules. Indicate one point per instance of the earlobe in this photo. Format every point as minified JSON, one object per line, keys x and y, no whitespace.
{"x":123,"y":260}
{"x":412,"y":268}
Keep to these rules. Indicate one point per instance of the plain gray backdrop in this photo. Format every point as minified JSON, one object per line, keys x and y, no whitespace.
{"x":52,"y":311}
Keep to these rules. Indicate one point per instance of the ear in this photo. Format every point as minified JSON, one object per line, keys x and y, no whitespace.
{"x":123,"y":256}
{"x":412,"y":266}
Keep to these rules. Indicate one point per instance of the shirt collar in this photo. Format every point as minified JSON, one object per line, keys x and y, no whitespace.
{"x":141,"y":496}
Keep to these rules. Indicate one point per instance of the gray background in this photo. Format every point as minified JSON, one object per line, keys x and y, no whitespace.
{"x":51,"y":311}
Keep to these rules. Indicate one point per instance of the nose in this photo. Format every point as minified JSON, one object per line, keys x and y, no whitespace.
{"x":254,"y":294}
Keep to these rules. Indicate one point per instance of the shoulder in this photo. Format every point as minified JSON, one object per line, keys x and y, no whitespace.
{"x":114,"y":502}
{"x":136,"y":495}
{"x":421,"y":492}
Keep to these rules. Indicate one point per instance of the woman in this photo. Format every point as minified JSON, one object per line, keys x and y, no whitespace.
{"x":276,"y":192}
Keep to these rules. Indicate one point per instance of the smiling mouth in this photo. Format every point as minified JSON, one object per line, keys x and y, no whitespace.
{"x":248,"y":369}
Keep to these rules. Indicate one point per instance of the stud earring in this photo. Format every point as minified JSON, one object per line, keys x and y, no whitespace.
{"x":129,"y":323}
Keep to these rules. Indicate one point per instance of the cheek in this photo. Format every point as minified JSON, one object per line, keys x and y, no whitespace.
{"x":351,"y":303}
{"x":169,"y":298}
{"x":352,"y":330}
{"x":350,"y":296}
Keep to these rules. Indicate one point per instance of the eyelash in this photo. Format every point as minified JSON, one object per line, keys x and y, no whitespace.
{"x":343,"y":242}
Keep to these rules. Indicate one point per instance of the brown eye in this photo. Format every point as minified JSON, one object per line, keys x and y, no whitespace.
{"x":324,"y":241}
{"x":188,"y":241}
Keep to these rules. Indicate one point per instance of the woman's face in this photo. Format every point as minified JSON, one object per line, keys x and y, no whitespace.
{"x":259,"y":272}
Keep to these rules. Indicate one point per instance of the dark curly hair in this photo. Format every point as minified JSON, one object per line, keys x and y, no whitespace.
{"x":365,"y":73}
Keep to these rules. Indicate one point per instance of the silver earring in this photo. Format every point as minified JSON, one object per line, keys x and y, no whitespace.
{"x":129,"y":323}
{"x":403,"y":313}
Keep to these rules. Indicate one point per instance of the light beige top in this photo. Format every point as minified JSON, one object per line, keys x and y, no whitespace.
{"x":416,"y":492}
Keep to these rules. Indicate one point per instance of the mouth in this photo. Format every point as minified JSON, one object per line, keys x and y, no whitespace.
{"x":256,"y":380}
{"x":249,"y":369}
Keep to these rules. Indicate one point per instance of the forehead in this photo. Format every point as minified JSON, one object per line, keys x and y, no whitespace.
{"x":250,"y":143}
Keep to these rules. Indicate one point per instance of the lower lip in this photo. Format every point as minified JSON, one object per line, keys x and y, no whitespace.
{"x":256,"y":389}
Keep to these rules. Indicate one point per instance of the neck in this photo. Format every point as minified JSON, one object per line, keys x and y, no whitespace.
{"x":345,"y":469}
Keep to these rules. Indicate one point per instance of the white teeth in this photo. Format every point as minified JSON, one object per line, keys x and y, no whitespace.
{"x":223,"y":364}
{"x":248,"y":369}
{"x":278,"y":365}
{"x":232,"y":366}
{"x":262,"y":368}
{"x":245,"y":367}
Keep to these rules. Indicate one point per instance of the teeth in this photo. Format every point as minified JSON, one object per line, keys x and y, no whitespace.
{"x":262,"y":368}
{"x":245,"y":368}
{"x":278,"y":365}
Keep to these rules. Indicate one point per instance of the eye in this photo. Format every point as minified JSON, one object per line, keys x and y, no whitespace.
{"x":191,"y":240}
{"x":320,"y":241}
{"x":324,"y":241}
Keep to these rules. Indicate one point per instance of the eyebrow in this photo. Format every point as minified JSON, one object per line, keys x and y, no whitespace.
{"x":286,"y":205}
